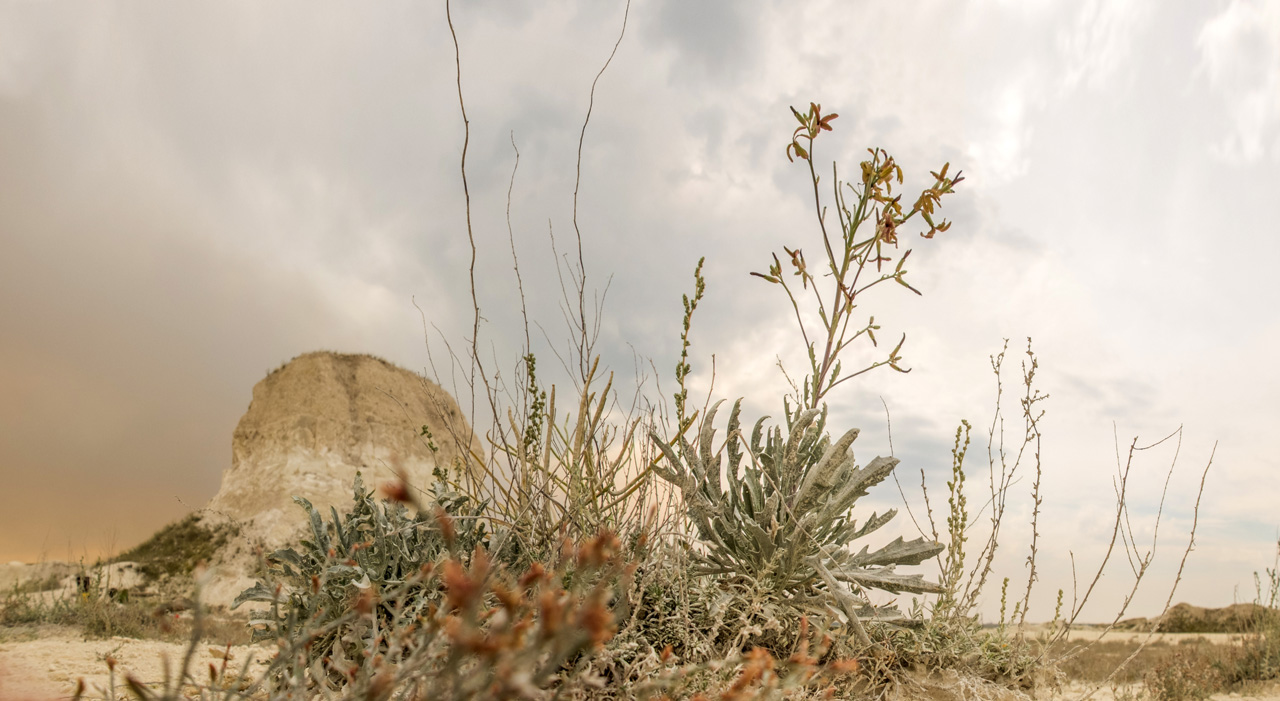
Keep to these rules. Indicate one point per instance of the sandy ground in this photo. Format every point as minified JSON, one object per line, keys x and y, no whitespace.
{"x":14,"y":573}
{"x":1089,"y":633}
{"x":1080,"y":691}
{"x":39,"y":664}
{"x":42,"y":664}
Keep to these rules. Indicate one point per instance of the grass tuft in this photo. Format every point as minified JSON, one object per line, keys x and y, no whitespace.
{"x":176,"y":549}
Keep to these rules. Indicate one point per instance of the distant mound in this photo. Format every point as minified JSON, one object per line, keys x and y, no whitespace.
{"x":1185,"y":618}
{"x":312,"y":424}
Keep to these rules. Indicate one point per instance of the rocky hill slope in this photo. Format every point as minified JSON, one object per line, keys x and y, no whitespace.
{"x":312,"y":424}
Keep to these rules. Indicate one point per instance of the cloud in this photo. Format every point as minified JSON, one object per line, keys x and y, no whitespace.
{"x":1240,"y":55}
{"x":1101,"y":42}
{"x":713,"y":41}
{"x":998,"y":148}
{"x":194,"y":194}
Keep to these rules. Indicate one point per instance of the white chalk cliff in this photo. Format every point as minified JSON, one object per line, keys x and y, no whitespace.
{"x":312,"y":424}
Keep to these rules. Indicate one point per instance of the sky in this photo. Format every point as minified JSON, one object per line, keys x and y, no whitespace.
{"x":192,"y":194}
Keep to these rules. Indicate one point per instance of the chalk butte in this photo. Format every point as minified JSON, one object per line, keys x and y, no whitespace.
{"x":312,"y":424}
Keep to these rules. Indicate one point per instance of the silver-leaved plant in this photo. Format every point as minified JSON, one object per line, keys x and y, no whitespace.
{"x":780,"y":513}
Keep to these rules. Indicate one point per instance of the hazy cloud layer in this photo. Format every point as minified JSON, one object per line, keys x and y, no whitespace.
{"x":191,"y":195}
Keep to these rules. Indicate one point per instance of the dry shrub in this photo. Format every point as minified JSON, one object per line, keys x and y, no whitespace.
{"x":1186,"y":674}
{"x":749,"y":593}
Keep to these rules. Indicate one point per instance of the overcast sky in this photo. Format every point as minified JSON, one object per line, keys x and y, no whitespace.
{"x":192,"y":194}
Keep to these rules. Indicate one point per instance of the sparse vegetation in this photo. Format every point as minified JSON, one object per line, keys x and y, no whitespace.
{"x":97,"y":615}
{"x":101,"y":608}
{"x":1201,"y":670}
{"x":610,"y":550}
{"x":285,"y":363}
{"x":50,"y":582}
{"x":176,"y":549}
{"x":377,"y":547}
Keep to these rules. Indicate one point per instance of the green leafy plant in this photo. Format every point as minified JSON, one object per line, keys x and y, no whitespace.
{"x":377,"y":547}
{"x":479,"y":634}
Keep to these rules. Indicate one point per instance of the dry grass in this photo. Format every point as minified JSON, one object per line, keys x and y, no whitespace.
{"x":1184,"y":666}
{"x":101,"y":617}
{"x":178,"y":548}
{"x":558,"y":566}
{"x":1097,"y":663}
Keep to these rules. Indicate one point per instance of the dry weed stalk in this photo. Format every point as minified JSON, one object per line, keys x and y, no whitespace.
{"x":953,"y":617}
{"x":708,"y":580}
